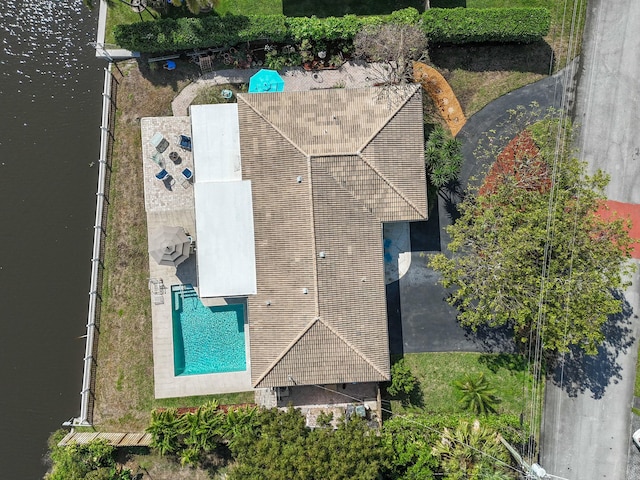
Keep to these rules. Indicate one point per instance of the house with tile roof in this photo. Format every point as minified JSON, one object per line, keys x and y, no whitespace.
{"x":291,"y":193}
{"x":327,"y":168}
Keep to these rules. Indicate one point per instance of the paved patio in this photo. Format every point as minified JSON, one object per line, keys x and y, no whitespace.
{"x":354,"y":74}
{"x":173,"y":205}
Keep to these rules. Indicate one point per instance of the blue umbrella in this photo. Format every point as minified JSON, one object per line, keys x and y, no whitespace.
{"x":266,"y":81}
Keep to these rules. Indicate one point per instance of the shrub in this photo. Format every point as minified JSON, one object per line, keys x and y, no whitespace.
{"x":170,"y":34}
{"x":95,"y":460}
{"x":475,"y":25}
{"x":402,"y":380}
{"x":458,"y":25}
{"x":475,"y":394}
{"x":443,"y":156}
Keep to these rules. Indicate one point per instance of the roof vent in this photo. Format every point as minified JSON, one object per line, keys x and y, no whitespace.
{"x":299,"y":179}
{"x":268,"y":302}
{"x":305,"y":290}
{"x":322,"y":254}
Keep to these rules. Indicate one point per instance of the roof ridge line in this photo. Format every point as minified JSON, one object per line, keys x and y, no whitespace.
{"x":286,"y":350}
{"x":384,"y":179}
{"x":297,"y":147}
{"x":313,"y":236}
{"x":388,"y":119}
{"x":350,"y":345}
{"x":391,"y":185}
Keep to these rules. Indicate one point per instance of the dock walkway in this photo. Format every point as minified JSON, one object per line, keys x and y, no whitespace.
{"x":135,"y":439}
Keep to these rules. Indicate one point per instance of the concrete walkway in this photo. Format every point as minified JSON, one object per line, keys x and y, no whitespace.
{"x":350,"y":75}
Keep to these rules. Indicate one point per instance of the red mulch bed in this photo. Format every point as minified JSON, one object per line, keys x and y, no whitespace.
{"x":224,"y":408}
{"x":519,"y":160}
{"x":612,"y":210}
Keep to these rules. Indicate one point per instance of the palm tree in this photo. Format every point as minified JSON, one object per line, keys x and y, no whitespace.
{"x":443,"y":156}
{"x":476,"y":394}
{"x":471,"y":452}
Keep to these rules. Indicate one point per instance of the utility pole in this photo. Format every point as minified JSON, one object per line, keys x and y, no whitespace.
{"x":533,"y":471}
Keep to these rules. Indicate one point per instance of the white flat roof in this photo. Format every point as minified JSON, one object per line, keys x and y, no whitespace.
{"x":226,"y":255}
{"x":215,"y":140}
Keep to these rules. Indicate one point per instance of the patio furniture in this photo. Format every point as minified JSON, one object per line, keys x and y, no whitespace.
{"x":174,"y":157}
{"x":169,"y":246}
{"x":157,"y":159}
{"x":159,"y":142}
{"x":166,"y":178}
{"x":185,"y":142}
{"x":187,"y":177}
{"x":192,"y":244}
{"x":157,"y":288}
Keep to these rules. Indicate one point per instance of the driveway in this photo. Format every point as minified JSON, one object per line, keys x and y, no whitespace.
{"x":420,"y":320}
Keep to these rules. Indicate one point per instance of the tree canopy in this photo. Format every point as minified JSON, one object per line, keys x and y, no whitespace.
{"x":529,"y":249}
{"x":281,"y":446}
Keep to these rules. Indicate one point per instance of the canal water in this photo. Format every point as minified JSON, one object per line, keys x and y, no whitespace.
{"x":50,"y":106}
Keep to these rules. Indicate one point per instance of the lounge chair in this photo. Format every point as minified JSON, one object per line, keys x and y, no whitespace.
{"x":187,"y":177}
{"x":157,"y":159}
{"x":185,"y":142}
{"x":159,"y":142}
{"x":163,"y":175}
{"x":166,"y":178}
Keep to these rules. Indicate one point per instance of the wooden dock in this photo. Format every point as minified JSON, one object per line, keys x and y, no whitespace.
{"x":115,"y":439}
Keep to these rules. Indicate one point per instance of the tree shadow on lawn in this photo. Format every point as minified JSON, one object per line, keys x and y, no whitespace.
{"x":156,"y":74}
{"x":531,"y":57}
{"x":338,"y":8}
{"x":577,"y":372}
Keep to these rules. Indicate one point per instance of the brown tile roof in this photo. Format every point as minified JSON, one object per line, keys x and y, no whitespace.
{"x":321,"y":318}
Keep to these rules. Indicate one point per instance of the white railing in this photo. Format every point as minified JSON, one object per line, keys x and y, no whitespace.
{"x":97,"y":266}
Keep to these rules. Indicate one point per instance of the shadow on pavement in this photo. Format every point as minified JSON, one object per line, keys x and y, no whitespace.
{"x":492,"y":339}
{"x":394,"y":318}
{"x":577,"y":372}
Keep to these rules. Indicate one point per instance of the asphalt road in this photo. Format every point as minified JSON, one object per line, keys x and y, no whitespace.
{"x":586,"y":428}
{"x":608,"y":95}
{"x":587,"y":423}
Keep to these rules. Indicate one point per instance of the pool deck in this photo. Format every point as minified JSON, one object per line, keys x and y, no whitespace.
{"x":173,"y":205}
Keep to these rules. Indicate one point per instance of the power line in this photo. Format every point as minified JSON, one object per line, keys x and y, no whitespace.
{"x":411,"y":420}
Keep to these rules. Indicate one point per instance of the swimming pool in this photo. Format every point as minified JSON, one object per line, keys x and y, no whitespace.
{"x":206,"y":339}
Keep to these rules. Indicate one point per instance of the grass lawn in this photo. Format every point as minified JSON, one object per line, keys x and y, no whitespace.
{"x":436,"y":372}
{"x":477,"y":74}
{"x":124,"y":379}
{"x":213,"y":93}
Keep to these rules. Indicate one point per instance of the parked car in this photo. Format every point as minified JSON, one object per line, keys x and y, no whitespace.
{"x":636,"y":438}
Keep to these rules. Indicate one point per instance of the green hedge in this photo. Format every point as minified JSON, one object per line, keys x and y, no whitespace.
{"x":471,"y":25}
{"x":459,"y":25}
{"x":168,"y":34}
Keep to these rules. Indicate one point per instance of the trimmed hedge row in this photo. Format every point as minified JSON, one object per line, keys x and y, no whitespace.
{"x":168,"y":34}
{"x":471,"y":25}
{"x":458,"y":25}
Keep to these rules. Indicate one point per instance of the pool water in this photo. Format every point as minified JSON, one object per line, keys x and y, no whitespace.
{"x":206,"y":339}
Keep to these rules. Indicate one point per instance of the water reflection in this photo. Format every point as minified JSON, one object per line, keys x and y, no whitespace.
{"x":50,"y":85}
